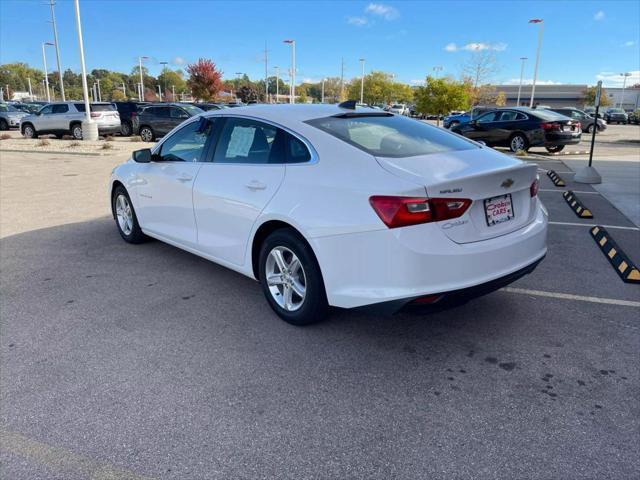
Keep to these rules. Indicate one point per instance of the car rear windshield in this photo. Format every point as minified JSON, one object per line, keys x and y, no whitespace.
{"x":96,"y":107}
{"x":8,"y":108}
{"x":548,"y":115}
{"x":392,"y":135}
{"x":193,"y":111}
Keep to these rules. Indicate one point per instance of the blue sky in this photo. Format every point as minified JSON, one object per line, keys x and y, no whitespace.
{"x":583,"y":41}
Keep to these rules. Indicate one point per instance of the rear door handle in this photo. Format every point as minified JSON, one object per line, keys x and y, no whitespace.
{"x":256,"y":185}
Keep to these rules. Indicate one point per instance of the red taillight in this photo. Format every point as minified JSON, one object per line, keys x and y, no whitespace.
{"x":578,"y":126}
{"x":95,"y":114}
{"x":533,"y":189}
{"x":550,"y":126}
{"x":404,"y":211}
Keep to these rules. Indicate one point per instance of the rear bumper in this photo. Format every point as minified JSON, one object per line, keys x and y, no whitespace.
{"x":551,"y":139}
{"x":403,"y":264}
{"x":108,"y":129}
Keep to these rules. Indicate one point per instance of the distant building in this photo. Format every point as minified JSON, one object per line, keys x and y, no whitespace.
{"x":567,"y":95}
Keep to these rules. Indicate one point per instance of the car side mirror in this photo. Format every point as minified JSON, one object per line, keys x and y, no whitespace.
{"x":142,"y":156}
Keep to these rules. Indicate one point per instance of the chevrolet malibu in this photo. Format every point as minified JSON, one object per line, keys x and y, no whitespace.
{"x":338,"y":206}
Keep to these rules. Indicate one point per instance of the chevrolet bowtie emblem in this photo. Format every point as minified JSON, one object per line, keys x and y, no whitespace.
{"x":507,"y":183}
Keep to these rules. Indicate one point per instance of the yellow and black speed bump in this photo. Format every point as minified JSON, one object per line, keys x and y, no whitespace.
{"x":621,"y":263}
{"x":557,"y":181}
{"x":576,"y":205}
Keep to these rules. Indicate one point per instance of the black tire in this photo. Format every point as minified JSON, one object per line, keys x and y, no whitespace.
{"x":126,"y":129}
{"x":59,"y":136}
{"x":29,"y":131}
{"x":76,"y":131}
{"x":590,"y":129}
{"x":3,"y":124}
{"x":314,"y":307}
{"x":523,"y":142}
{"x":555,"y":148}
{"x":135,"y":235}
{"x":147,"y":134}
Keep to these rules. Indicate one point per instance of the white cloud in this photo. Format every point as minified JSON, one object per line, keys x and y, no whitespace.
{"x":599,"y":15}
{"x":178,"y":61}
{"x":529,"y":81}
{"x":416,"y":82}
{"x":381,"y":10}
{"x":476,"y":47}
{"x":610,"y":79}
{"x":630,"y":43}
{"x":451,"y":47}
{"x":357,"y":21}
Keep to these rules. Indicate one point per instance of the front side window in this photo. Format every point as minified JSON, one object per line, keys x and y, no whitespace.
{"x":178,"y":113}
{"x":488,"y":117}
{"x":247,"y":141}
{"x":187,"y":144}
{"x":391,"y":135}
{"x":46,"y":110}
{"x":60,"y":108}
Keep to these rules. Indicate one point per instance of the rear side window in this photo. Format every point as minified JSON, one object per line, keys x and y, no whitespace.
{"x":297,"y":151}
{"x":93,"y":107}
{"x":391,"y":136}
{"x":62,"y":108}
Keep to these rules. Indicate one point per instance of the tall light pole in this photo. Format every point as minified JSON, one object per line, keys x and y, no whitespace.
{"x":624,"y":84}
{"x":292,"y":92}
{"x":341,"y":79}
{"x":266,"y":73}
{"x":535,"y":70}
{"x":141,"y":78}
{"x":46,"y":74}
{"x":55,"y":41}
{"x":99,"y":91}
{"x":164,"y":79}
{"x":277,"y":69}
{"x":362,"y":82}
{"x":523,"y":59}
{"x":322,"y":97}
{"x":30,"y":91}
{"x":173,"y":93}
{"x":124,"y":90}
{"x":437,"y":69}
{"x":89,"y":127}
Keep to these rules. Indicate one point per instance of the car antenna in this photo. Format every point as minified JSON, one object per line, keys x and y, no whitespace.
{"x":349,"y":104}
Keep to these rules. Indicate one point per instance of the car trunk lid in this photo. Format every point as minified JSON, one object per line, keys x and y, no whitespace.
{"x":479,"y":175}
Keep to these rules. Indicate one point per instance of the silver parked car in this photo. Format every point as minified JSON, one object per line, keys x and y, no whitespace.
{"x":65,"y":118}
{"x":10,"y":116}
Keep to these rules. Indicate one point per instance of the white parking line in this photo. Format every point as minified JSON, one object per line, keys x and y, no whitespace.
{"x":567,"y":296}
{"x":560,"y":190}
{"x":591,"y":225}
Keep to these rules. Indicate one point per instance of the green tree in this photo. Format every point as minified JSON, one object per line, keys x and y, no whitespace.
{"x":248,"y":93}
{"x":380,"y":87}
{"x":501,"y":99}
{"x":441,"y":95}
{"x":16,"y":74}
{"x":589,"y":97}
{"x":171,"y":80}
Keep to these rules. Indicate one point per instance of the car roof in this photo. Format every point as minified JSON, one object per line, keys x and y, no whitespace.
{"x":285,"y":113}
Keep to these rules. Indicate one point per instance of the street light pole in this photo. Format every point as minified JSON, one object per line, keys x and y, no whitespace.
{"x":524,"y":59}
{"x":437,"y":69}
{"x":535,"y":70}
{"x":141,"y":78}
{"x":55,"y":41}
{"x":277,"y":69}
{"x":99,"y":91}
{"x":89,"y":127}
{"x":173,"y":93}
{"x":624,"y":84}
{"x":362,"y":82}
{"x":322,"y":101}
{"x":30,"y":91}
{"x":46,"y":74}
{"x":164,"y":78}
{"x":292,"y":91}
{"x":159,"y":92}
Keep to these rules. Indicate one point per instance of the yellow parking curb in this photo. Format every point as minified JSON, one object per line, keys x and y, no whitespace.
{"x":557,"y":181}
{"x":576,"y":205}
{"x":621,"y":263}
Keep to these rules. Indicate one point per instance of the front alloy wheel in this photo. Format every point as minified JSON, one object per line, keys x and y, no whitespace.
{"x":29,"y":132}
{"x":125,"y":217}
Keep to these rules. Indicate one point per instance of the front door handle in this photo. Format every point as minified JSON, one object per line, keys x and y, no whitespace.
{"x":185,"y":178}
{"x":256,"y":185}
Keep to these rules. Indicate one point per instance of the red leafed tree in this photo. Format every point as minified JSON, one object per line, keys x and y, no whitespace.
{"x":205,"y":80}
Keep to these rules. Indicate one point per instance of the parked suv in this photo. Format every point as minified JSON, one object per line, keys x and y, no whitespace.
{"x":586,"y":120}
{"x":126,"y":110}
{"x":616,"y":115}
{"x":399,"y":109}
{"x":10,"y":116}
{"x":65,"y":118}
{"x":158,"y":119}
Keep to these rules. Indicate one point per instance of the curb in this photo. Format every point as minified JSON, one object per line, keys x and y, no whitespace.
{"x":555,"y":178}
{"x":622,"y":264}
{"x":576,"y":205}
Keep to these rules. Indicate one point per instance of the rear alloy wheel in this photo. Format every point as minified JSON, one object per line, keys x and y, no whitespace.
{"x":590,"y":128}
{"x":453,"y":124}
{"x":555,"y":148}
{"x":147,"y":134}
{"x":29,"y":132}
{"x":291,"y":279}
{"x":76,"y":131}
{"x":125,"y":129}
{"x":518,"y":142}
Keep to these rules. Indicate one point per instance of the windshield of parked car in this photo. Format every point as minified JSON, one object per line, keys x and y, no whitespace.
{"x":391,"y":135}
{"x":193,"y":111}
{"x":8,"y":108}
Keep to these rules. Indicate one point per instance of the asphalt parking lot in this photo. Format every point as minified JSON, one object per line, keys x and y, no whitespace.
{"x":131,"y":362}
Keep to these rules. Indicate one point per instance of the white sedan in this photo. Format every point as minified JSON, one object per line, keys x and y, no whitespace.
{"x":336,"y":205}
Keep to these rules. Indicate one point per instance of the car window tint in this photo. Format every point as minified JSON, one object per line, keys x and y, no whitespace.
{"x":178,"y":113}
{"x":60,"y":109}
{"x":392,"y":135}
{"x":521,"y":116}
{"x":245,"y":141}
{"x":102,"y":107}
{"x":46,"y":109}
{"x":297,"y":151}
{"x":187,"y":144}
{"x":488,"y":117}
{"x":507,"y":116}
